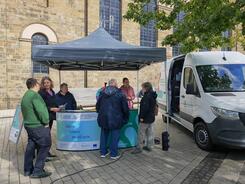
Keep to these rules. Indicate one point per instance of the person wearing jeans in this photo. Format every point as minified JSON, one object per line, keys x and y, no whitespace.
{"x":104,"y":138}
{"x":37,"y":136}
{"x":36,"y":122}
{"x":113,"y":113}
{"x":145,"y":134}
{"x":146,"y":118}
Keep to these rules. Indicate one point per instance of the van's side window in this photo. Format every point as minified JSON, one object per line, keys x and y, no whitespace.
{"x":189,"y":78}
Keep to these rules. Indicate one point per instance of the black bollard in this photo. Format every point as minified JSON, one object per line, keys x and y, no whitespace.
{"x":165,"y":141}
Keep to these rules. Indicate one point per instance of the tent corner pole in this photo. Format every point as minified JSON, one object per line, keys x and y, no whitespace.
{"x":137,"y":81}
{"x":85,"y":34}
{"x":85,"y":79}
{"x":166,"y":93}
{"x":59,"y":77}
{"x":32,"y":73}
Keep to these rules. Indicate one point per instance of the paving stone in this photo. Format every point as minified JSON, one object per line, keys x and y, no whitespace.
{"x":146,"y":168}
{"x":112,"y":181}
{"x":76,"y":178}
{"x":69,"y":182}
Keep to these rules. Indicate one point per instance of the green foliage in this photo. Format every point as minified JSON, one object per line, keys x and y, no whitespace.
{"x":203,"y":24}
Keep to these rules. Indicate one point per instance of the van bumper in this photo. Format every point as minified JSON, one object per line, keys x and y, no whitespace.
{"x":230,"y":133}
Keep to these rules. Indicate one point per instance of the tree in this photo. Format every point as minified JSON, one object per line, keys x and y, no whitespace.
{"x":202,"y":26}
{"x":238,"y":38}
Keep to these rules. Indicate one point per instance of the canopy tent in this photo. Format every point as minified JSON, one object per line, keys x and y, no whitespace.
{"x":98,"y":51}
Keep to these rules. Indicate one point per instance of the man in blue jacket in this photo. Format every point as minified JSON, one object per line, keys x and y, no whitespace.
{"x":64,"y":97}
{"x":113,"y":113}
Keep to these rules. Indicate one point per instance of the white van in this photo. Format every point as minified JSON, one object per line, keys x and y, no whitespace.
{"x":206,"y":94}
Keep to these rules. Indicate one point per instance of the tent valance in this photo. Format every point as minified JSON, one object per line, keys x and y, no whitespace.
{"x":98,"y":51}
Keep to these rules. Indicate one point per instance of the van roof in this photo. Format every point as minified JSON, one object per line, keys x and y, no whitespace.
{"x":214,"y":57}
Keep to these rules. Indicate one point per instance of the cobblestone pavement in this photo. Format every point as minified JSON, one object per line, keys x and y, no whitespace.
{"x":183,"y":163}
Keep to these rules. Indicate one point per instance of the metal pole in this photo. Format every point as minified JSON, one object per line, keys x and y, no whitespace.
{"x":85,"y":78}
{"x":85,"y":34}
{"x":137,"y":78}
{"x":59,"y":77}
{"x":32,"y":73}
{"x":166,"y":93}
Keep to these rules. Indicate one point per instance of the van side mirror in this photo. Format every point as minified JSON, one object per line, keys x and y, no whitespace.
{"x":190,"y":89}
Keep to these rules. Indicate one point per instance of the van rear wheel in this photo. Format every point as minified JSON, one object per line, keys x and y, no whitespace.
{"x":202,"y":137}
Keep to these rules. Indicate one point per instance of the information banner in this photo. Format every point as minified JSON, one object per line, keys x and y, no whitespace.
{"x":129,"y":132}
{"x":16,"y":127}
{"x":77,"y":131}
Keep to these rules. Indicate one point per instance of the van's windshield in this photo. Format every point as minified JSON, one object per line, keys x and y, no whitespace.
{"x":222,"y":78}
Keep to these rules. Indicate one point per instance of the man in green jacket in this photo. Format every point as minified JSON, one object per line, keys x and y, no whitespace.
{"x":35,"y":120}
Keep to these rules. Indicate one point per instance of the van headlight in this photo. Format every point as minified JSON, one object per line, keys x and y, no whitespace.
{"x":226,"y":114}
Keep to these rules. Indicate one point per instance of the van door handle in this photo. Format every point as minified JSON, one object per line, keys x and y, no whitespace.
{"x":183,"y":96}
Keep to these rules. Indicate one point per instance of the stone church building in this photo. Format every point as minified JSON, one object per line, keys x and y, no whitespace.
{"x":24,"y":23}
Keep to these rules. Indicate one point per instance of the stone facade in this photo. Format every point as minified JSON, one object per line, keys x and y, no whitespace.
{"x":59,"y":20}
{"x":65,"y":18}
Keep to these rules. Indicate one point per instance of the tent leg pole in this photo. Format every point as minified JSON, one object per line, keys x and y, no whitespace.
{"x":59,"y":77}
{"x":166,"y":89}
{"x":165,"y":135}
{"x":32,"y":73}
{"x":137,"y":78}
{"x":85,"y":79}
{"x":85,"y":34}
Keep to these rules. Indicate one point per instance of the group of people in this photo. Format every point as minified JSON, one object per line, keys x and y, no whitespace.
{"x":127,"y":90}
{"x":40,"y":104}
{"x":113,"y":106}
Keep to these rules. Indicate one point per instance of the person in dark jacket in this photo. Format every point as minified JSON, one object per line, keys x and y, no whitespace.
{"x":146,"y":118}
{"x":64,"y":97}
{"x":113,"y":113}
{"x":48,"y":95}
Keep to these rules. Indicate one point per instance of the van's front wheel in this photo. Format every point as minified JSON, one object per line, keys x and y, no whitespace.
{"x":202,"y":137}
